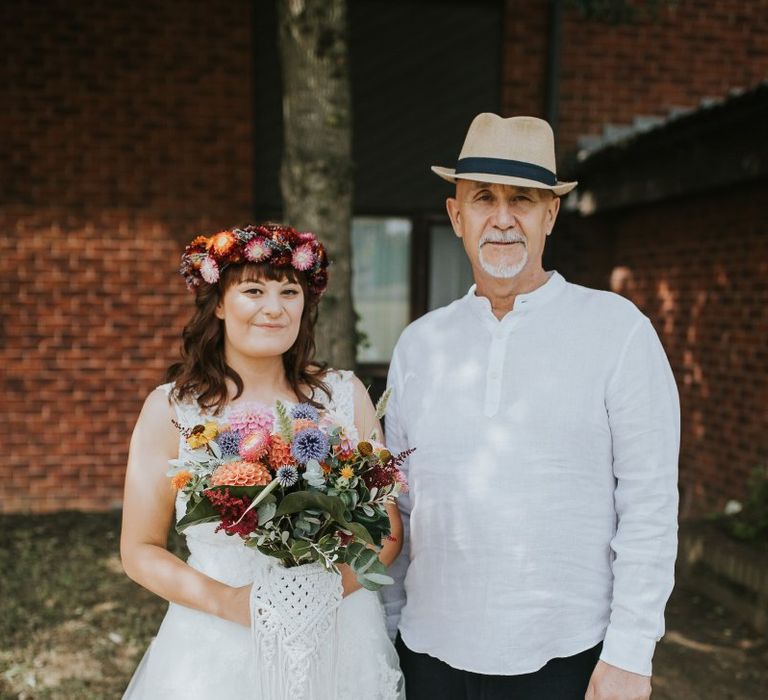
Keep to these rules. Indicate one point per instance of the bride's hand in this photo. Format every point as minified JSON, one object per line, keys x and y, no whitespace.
{"x":349,"y":580}
{"x":237,"y":605}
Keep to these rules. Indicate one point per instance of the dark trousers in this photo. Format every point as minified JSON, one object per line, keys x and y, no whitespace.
{"x":428,"y":678}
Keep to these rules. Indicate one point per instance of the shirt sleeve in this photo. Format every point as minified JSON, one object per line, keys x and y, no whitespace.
{"x":644,"y":418}
{"x":393,"y":596}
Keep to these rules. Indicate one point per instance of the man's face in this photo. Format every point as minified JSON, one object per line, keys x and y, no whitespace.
{"x":503,"y":227}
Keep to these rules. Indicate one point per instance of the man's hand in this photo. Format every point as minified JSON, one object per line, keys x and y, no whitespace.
{"x":611,"y":683}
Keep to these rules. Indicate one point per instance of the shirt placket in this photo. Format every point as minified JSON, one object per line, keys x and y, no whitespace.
{"x":495,"y":371}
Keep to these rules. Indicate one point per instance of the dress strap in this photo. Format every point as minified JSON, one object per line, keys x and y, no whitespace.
{"x":187,"y":413}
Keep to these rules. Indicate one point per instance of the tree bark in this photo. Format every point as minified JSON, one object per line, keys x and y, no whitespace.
{"x":316,"y":174}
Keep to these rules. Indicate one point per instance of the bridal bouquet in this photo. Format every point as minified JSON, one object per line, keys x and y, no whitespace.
{"x":294,"y":485}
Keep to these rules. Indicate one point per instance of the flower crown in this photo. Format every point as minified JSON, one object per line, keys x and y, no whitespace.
{"x":204,"y":259}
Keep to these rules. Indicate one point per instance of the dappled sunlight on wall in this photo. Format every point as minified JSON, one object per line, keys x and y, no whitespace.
{"x":698,"y":267}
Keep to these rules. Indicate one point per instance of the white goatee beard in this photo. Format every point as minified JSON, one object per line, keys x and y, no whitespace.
{"x":504,"y":272}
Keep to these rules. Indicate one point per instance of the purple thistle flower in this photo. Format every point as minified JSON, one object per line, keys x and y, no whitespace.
{"x":304,"y":411}
{"x":229,"y":442}
{"x":310,"y":444}
{"x":287,"y":476}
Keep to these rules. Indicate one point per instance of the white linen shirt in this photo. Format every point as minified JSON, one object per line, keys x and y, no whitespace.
{"x":542,"y":511}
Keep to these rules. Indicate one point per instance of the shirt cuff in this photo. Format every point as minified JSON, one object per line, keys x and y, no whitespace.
{"x":629,"y":652}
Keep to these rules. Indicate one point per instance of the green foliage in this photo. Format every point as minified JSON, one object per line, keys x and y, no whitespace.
{"x":751,"y":524}
{"x":202,"y":511}
{"x":284,"y":424}
{"x":370,"y":572}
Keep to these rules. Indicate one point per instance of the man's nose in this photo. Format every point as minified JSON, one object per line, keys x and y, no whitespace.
{"x":503,"y":216}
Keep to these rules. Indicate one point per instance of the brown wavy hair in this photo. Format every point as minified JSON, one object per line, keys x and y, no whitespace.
{"x":202,"y":372}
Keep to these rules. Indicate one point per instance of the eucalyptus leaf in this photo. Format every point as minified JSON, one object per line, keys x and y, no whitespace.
{"x":214,"y":447}
{"x":200,"y":512}
{"x":380,"y":579}
{"x":365,"y":561}
{"x":266,"y":511}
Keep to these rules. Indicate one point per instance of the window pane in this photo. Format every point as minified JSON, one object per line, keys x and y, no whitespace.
{"x":381,"y":282}
{"x":450,"y":274}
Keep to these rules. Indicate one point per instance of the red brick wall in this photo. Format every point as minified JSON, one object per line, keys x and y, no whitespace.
{"x":126,"y":127}
{"x":699,"y":268}
{"x":613,"y":73}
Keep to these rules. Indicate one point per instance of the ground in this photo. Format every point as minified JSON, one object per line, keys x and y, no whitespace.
{"x":72,"y":626}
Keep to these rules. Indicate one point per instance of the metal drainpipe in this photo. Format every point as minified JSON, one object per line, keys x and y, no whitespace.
{"x":553,"y":63}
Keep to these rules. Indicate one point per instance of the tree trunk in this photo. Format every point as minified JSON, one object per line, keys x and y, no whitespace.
{"x":316,"y":175}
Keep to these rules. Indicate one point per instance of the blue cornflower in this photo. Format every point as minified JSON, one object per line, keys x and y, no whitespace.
{"x":287,"y":476}
{"x":304,"y":411}
{"x":310,"y":444}
{"x":229,"y":442}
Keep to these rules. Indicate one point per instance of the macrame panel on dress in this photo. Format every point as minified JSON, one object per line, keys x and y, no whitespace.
{"x":293,"y":622}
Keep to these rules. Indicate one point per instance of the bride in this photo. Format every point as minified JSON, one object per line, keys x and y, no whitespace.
{"x":250,"y":341}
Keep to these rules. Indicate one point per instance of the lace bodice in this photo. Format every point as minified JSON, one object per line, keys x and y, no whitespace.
{"x":222,"y":556}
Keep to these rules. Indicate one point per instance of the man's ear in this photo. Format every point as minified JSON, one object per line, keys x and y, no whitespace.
{"x":552,"y":210}
{"x":454,"y":214}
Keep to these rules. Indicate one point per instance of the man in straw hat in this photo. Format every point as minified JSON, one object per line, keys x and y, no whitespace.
{"x":543,"y":488}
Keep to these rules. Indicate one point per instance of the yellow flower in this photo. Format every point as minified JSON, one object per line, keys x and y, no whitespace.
{"x":201,"y":435}
{"x":347,"y":472}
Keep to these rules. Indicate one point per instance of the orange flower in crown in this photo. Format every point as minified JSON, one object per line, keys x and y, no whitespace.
{"x":205,"y":258}
{"x":220,"y":244}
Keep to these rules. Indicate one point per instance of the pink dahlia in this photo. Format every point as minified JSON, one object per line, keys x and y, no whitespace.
{"x":209,"y":270}
{"x":251,"y":416}
{"x":303,"y":257}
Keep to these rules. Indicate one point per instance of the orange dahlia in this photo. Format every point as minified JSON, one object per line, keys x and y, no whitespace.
{"x":241,"y":474}
{"x":279,"y":453}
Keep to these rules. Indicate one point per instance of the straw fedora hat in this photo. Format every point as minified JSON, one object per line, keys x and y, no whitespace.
{"x":515,"y":151}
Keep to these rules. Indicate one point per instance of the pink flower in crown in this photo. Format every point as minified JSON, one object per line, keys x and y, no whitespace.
{"x":307,"y":237}
{"x":209,"y":270}
{"x":251,"y":416}
{"x":257,"y":250}
{"x":303,"y":257}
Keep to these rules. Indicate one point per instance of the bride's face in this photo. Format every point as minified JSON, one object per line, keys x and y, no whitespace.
{"x":261,"y":317}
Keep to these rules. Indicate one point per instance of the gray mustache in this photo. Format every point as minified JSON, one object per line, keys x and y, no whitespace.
{"x":502,"y":238}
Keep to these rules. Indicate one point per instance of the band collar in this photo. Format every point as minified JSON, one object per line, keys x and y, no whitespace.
{"x":524,"y":303}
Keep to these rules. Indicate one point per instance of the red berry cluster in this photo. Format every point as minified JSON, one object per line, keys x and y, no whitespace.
{"x":231,"y":508}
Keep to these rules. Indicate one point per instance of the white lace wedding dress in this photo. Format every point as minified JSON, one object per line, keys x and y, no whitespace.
{"x":197,"y":656}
